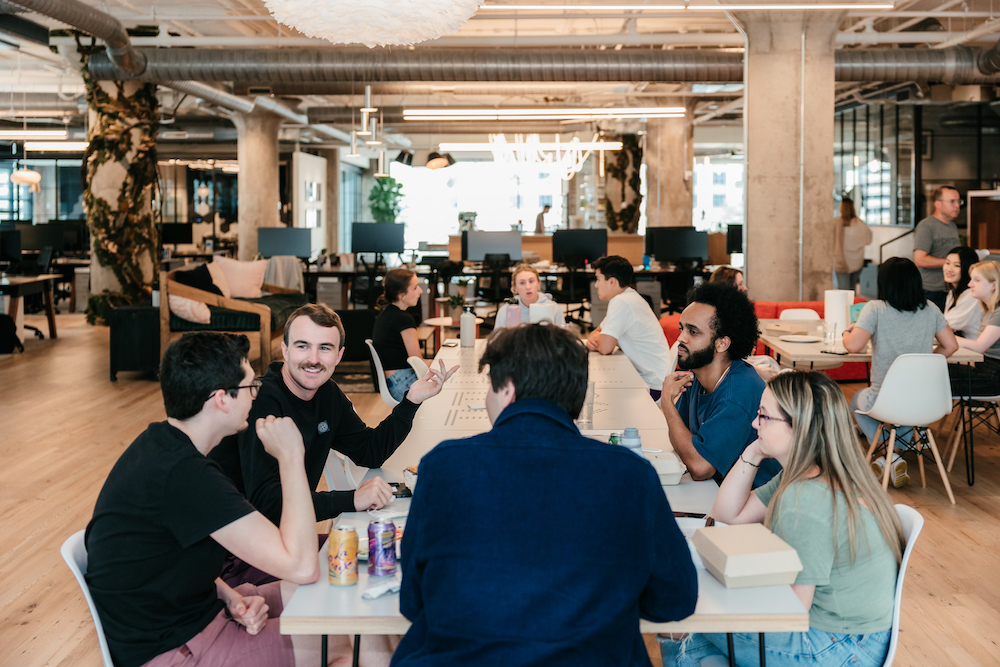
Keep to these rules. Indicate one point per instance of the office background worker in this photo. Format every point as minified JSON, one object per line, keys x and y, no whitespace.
{"x":933,"y":238}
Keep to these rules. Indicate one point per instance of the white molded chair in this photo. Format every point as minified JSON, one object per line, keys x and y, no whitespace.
{"x":912,"y":523}
{"x":418,"y":365}
{"x":672,"y":365}
{"x":74,"y":552}
{"x":798,"y":314}
{"x":341,"y":473}
{"x":916,"y":392}
{"x":383,"y":388}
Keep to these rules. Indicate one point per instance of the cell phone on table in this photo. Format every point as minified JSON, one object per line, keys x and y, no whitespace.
{"x":400,"y":490}
{"x":450,"y":343}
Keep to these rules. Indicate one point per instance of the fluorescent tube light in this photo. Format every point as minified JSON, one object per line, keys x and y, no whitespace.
{"x":768,"y":6}
{"x":21,"y":135}
{"x":487,"y":147}
{"x":64,"y":146}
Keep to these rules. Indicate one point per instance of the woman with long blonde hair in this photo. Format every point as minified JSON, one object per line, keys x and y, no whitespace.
{"x":828,"y":506}
{"x":983,"y":379}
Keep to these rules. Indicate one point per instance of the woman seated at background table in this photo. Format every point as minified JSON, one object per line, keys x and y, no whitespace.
{"x":900,"y":321}
{"x":526,"y":286}
{"x":983,"y":379}
{"x":395,"y":331}
{"x":961,"y":309}
{"x":828,"y":506}
{"x":765,"y":366}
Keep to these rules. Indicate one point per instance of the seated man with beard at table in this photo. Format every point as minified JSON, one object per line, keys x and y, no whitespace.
{"x":719,"y":393}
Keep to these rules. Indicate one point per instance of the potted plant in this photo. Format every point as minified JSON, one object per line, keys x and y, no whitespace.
{"x":384,"y":199}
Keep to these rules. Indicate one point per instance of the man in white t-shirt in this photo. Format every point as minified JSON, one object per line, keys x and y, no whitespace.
{"x":630,"y":324}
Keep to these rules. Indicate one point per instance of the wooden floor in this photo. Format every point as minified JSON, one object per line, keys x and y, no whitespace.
{"x":63,"y":424}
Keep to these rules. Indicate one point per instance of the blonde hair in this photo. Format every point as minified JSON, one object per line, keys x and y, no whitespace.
{"x":521,"y":268}
{"x":823,"y":436}
{"x":990,"y":271}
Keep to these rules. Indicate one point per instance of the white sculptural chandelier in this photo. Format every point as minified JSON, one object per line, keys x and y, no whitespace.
{"x":374,"y":22}
{"x":566,"y":158}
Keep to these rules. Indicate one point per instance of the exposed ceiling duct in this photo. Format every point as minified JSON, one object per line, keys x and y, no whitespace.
{"x":989,"y":61}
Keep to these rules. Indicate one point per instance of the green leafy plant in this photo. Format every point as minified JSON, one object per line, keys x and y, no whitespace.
{"x":626,"y":217}
{"x":384,"y":199}
{"x":456,"y":300}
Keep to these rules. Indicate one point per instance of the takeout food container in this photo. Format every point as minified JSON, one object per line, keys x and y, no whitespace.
{"x":410,"y":477}
{"x":667,"y":465}
{"x":746,"y":555}
{"x":784,"y":328}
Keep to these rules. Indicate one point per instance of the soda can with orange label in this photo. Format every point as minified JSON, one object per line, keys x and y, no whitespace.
{"x":343,"y":556}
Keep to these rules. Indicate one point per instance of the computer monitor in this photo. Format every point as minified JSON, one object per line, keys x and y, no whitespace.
{"x":48,"y":235}
{"x":293,"y":241}
{"x":176,"y":232}
{"x":575,"y":246}
{"x":76,"y":236}
{"x":377,"y":237}
{"x":476,"y":245}
{"x":10,"y":245}
{"x":672,"y":244}
{"x":734,"y":239}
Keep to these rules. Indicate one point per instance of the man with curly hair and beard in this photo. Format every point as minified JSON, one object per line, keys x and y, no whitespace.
{"x":719,"y":393}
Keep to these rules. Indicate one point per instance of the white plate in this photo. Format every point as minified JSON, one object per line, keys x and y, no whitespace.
{"x":798,"y":338}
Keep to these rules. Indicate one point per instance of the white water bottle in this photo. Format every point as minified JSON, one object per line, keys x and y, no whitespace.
{"x":467,"y":327}
{"x":631,"y":440}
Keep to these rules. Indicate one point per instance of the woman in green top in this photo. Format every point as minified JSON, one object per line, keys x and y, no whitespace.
{"x":849,"y":543}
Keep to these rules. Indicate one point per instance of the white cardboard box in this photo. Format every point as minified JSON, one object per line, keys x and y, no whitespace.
{"x":746,"y":555}
{"x":667,"y":465}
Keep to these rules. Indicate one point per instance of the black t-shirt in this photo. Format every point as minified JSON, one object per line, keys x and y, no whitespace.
{"x":327,"y":422}
{"x":152,"y":563}
{"x":386,"y":337}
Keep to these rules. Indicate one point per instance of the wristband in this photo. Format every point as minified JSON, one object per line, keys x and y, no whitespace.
{"x":755,"y":465}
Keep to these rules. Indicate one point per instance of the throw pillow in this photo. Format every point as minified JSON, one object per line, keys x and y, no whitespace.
{"x":244,"y":278}
{"x":219,"y":278}
{"x":199,"y":277}
{"x":189,"y":309}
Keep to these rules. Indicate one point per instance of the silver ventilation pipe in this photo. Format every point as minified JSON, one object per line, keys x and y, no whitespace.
{"x":297,"y":66}
{"x":243,"y":105}
{"x":988,"y":62}
{"x":85,"y":18}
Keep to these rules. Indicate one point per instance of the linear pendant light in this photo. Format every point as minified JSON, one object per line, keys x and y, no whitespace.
{"x":22,"y":135}
{"x":456,"y":114}
{"x":766,"y":6}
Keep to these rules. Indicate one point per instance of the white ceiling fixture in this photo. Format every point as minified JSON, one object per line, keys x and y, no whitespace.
{"x":699,"y":7}
{"x":374,"y":22}
{"x":528,"y":153}
{"x":62,"y":146}
{"x":22,"y":135}
{"x":459,"y":114}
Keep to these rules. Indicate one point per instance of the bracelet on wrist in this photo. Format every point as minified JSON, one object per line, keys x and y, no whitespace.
{"x":755,"y":465}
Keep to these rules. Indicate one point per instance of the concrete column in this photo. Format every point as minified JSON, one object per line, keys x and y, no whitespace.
{"x":332,"y":214}
{"x":257,"y":152}
{"x":789,"y":117}
{"x":669,"y":157}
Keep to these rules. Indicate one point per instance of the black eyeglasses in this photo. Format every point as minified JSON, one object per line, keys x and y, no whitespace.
{"x":761,"y":416}
{"x":254,"y":388}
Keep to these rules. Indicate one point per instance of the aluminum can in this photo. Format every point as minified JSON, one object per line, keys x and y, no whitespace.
{"x":615,"y":439}
{"x":381,"y":548}
{"x":342,"y":554}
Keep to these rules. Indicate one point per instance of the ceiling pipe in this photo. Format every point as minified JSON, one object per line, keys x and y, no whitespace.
{"x":988,"y":61}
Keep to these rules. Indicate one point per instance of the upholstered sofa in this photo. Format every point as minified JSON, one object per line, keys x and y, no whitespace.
{"x":770,"y":310}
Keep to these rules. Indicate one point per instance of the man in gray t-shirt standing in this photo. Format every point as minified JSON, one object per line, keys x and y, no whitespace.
{"x":935,"y":236}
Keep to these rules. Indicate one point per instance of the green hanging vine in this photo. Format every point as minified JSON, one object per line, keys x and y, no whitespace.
{"x":122,"y":232}
{"x":627,"y":217}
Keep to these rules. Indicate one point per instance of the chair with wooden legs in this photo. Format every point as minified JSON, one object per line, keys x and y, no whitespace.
{"x":972,"y":411}
{"x":915,"y":393}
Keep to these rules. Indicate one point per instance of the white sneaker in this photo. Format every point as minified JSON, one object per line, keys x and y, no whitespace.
{"x":898,"y":474}
{"x":878,"y":466}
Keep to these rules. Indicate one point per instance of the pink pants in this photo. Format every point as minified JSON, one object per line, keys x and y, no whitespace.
{"x":225,"y":642}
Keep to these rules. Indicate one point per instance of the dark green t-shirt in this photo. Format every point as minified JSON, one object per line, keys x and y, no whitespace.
{"x":851,"y":597}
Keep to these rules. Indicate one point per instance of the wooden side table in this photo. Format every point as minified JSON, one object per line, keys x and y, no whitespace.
{"x":135,"y":339}
{"x":439,"y":323}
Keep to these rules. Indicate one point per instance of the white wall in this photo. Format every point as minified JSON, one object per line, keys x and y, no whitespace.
{"x":308,"y":169}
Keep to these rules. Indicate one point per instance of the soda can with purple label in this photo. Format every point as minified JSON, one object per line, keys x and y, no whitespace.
{"x":381,"y":548}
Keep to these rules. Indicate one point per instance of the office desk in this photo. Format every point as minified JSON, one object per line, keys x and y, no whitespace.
{"x":18,"y":286}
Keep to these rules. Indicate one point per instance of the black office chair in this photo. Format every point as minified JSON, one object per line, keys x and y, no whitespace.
{"x":574,"y":288}
{"x":494,"y":284}
{"x":33,"y":303}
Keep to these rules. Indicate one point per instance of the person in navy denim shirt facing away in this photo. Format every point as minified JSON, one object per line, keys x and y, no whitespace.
{"x":531,"y":544}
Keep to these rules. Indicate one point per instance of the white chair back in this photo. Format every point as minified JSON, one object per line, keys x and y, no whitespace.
{"x":383,"y":388}
{"x":915,"y":392}
{"x":798,"y":314}
{"x":672,"y":364}
{"x":333,"y":472}
{"x":912,"y":523}
{"x":74,"y":552}
{"x":418,"y":365}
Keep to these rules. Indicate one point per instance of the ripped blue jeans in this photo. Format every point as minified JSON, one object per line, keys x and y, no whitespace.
{"x":782,"y":649}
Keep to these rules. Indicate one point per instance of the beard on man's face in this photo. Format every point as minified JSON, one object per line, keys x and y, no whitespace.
{"x":696,"y":359}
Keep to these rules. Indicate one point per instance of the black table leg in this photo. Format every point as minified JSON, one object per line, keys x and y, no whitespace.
{"x":357,"y":650}
{"x":763,"y":659}
{"x":322,"y":652}
{"x":729,"y":646}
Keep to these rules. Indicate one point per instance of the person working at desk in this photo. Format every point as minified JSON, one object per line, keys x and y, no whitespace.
{"x":719,"y":392}
{"x":933,"y":238}
{"x":526,"y":286}
{"x":828,"y":506}
{"x":167,"y":514}
{"x":395,"y":333}
{"x":301,"y":388}
{"x":540,"y":220}
{"x":630,"y":323}
{"x":530,"y":544}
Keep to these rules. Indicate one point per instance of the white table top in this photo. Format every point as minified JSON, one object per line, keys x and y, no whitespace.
{"x":804,"y":353}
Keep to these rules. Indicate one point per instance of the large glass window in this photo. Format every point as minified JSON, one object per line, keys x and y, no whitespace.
{"x":350,"y":203}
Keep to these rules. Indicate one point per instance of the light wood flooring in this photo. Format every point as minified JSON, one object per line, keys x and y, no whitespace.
{"x":63,"y":424}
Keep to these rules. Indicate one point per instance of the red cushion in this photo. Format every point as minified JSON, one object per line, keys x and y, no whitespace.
{"x":671,"y":327}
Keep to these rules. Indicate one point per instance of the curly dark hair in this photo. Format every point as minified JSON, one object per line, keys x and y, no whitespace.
{"x":734,"y":316}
